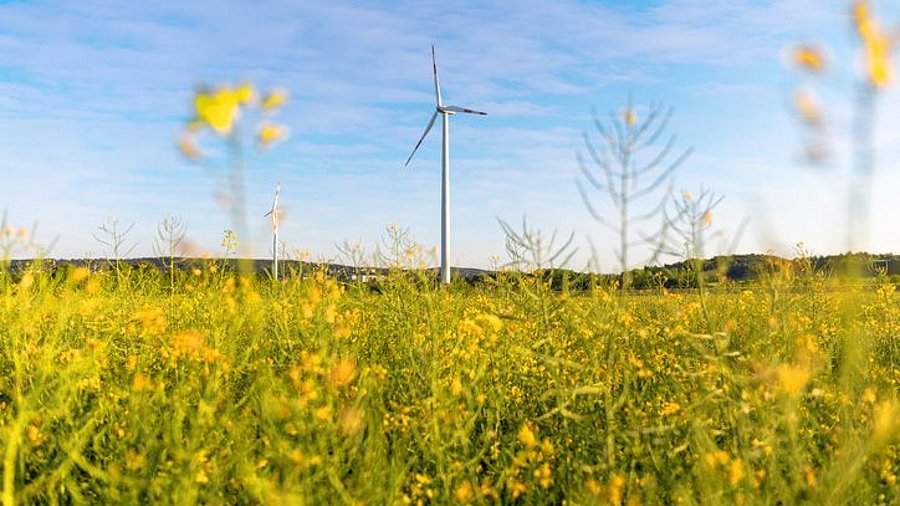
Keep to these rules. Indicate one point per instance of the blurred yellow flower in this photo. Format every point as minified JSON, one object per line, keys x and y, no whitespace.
{"x":463,"y":492}
{"x":218,"y":110}
{"x":876,"y":45}
{"x":715,"y":458}
{"x":808,"y":58}
{"x":456,"y":387}
{"x":615,"y":488}
{"x":868,"y":395}
{"x":670,"y":408}
{"x":245,"y":93}
{"x":26,"y":281}
{"x":544,"y":476}
{"x":791,"y":379}
{"x":736,"y":471}
{"x":153,"y":320}
{"x":188,"y":342}
{"x":886,"y":421}
{"x":274,"y":99}
{"x":77,"y":274}
{"x":270,"y":133}
{"x":343,"y":372}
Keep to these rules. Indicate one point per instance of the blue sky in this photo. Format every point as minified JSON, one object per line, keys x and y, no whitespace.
{"x":93,"y":95}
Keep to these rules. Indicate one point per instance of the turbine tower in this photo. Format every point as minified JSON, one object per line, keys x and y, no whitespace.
{"x":275,"y":213}
{"x":445,"y":111}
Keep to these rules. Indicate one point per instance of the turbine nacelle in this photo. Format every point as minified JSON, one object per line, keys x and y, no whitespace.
{"x":453,"y":109}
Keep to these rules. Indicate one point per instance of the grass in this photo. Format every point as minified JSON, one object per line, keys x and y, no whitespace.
{"x":117,"y":388}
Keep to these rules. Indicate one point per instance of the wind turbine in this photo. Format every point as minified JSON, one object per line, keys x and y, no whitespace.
{"x":445,"y":111}
{"x":275,"y":213}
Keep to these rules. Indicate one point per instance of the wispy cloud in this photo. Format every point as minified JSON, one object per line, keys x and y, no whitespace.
{"x":92,"y":95}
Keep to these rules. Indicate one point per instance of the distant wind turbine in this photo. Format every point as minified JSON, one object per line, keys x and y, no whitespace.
{"x":445,"y":111}
{"x":275,"y":213}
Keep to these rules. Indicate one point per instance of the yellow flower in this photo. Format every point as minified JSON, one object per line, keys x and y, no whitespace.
{"x":464,"y":492}
{"x":188,"y":342}
{"x":516,"y":487}
{"x":26,"y":281}
{"x":630,"y":117}
{"x":615,"y":488}
{"x":736,"y":471}
{"x":270,"y":133}
{"x":809,"y":475}
{"x":715,"y":458}
{"x":323,"y":413}
{"x":547,"y":446}
{"x":489,"y":322}
{"x":809,"y":58}
{"x":153,"y":320}
{"x":887,"y":421}
{"x":670,"y":409}
{"x":868,"y":395}
{"x":78,"y":274}
{"x":140,"y":382}
{"x":274,"y":99}
{"x":92,"y":286}
{"x":218,"y":110}
{"x":544,"y":476}
{"x":245,"y":93}
{"x":343,"y":372}
{"x":876,"y":45}
{"x":791,"y":379}
{"x":456,"y":387}
{"x":527,"y":437}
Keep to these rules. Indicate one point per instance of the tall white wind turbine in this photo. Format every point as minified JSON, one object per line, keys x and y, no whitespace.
{"x":275,"y":213}
{"x":445,"y":111}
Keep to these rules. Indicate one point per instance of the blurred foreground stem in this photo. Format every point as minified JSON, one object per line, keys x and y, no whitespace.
{"x":863,"y":167}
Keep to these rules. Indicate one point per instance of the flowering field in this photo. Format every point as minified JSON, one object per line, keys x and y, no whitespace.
{"x":122,"y":387}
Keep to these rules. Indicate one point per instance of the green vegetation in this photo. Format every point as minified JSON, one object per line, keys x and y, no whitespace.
{"x":114,"y":388}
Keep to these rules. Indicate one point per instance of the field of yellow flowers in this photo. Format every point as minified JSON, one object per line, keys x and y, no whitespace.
{"x":121,"y":387}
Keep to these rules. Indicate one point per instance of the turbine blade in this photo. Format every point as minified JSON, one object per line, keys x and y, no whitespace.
{"x":427,"y":129}
{"x":437,"y":81}
{"x":275,"y":200}
{"x":454,"y":108}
